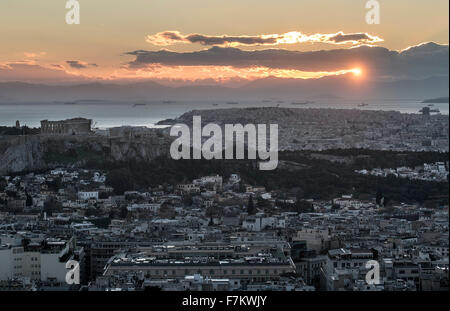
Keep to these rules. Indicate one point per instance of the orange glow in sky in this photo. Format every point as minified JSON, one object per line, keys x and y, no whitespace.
{"x":357,"y":72}
{"x":227,"y":72}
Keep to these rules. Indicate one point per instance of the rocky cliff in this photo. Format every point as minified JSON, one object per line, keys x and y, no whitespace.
{"x":40,"y":152}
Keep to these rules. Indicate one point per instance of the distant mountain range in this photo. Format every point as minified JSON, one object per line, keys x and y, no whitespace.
{"x":439,"y":100}
{"x":342,"y":87}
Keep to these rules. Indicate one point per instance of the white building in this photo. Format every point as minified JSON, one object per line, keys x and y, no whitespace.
{"x":88,"y":195}
{"x":215,"y":181}
{"x":259,"y":223}
{"x":344,"y":267}
{"x":152,"y":207}
{"x":44,"y":264}
{"x":98,"y":178}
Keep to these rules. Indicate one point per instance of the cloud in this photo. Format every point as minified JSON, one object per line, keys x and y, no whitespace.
{"x":416,"y":62}
{"x":76,"y":64}
{"x":353,"y":38}
{"x":34,"y":55}
{"x":34,"y":73}
{"x":166,"y":38}
{"x":57,"y":66}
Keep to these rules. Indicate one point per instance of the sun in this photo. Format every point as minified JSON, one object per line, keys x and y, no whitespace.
{"x":357,"y":72}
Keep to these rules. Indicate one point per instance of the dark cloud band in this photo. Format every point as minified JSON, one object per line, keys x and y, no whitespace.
{"x":416,"y":62}
{"x":76,"y":64}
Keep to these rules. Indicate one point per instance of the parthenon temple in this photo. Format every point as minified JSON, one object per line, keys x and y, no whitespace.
{"x":68,"y":127}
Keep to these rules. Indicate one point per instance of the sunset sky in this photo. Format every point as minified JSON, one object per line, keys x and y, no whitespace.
{"x":218,"y":41}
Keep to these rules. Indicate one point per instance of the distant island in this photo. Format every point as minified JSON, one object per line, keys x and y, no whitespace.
{"x":167,"y":122}
{"x":438,"y":100}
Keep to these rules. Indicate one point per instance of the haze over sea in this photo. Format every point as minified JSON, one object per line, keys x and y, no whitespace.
{"x":147,"y":113}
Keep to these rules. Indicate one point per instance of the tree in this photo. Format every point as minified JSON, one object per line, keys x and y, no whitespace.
{"x":335,"y":207}
{"x":29,"y":201}
{"x":2,"y":184}
{"x":263,"y":203}
{"x":121,"y":180}
{"x":123,"y":212}
{"x":91,"y":212}
{"x":187,"y":200}
{"x":241,"y":187}
{"x":379,"y":197}
{"x":25,"y":242}
{"x":303,"y":206}
{"x":250,"y":206}
{"x":51,"y":205}
{"x":55,"y":184}
{"x":103,"y":195}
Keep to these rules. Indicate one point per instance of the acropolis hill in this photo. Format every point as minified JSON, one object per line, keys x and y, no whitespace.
{"x":38,"y":152}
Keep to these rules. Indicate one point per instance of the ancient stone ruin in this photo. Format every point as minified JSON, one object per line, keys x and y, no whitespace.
{"x":66,"y":127}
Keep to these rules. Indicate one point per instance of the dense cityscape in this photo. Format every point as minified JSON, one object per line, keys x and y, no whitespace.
{"x":224,"y":232}
{"x":319,"y":129}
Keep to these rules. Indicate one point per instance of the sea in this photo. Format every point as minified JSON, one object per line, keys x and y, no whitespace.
{"x":107,"y":114}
